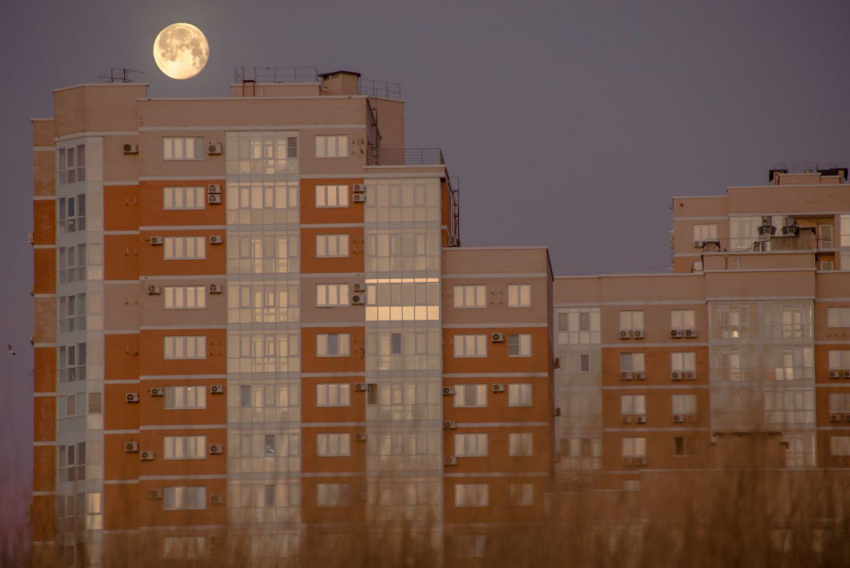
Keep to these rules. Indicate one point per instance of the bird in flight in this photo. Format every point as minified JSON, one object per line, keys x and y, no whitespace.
{"x":11,"y":350}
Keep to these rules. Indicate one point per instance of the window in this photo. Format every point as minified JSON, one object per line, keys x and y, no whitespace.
{"x":839,"y":359}
{"x":245,"y":396}
{"x":185,"y":297}
{"x":472,"y":495}
{"x":332,"y":146}
{"x":269,"y":449}
{"x":633,"y":404}
{"x":262,"y":302}
{"x":519,"y":345}
{"x":330,"y":445}
{"x":631,"y":321}
{"x":72,"y":363}
{"x":184,"y":248}
{"x":470,"y":345}
{"x":684,"y":446}
{"x":184,"y":547}
{"x":331,"y":245}
{"x":185,"y":398}
{"x":684,"y":404}
{"x":800,"y":451}
{"x":72,"y":313}
{"x":683,"y":362}
{"x":519,"y":394}
{"x":470,"y":395}
{"x":71,"y":164}
{"x":632,"y":362}
{"x":844,"y":233}
{"x":838,"y":317}
{"x":839,"y":445}
{"x":181,"y":498}
{"x":258,"y":254}
{"x":185,"y":447}
{"x":333,"y":394}
{"x":95,"y":403}
{"x":584,"y":363}
{"x":395,"y":344}
{"x":333,"y":494}
{"x":839,"y":402}
{"x":183,"y":148}
{"x":634,"y":447}
{"x":470,"y":445}
{"x":269,"y":496}
{"x":72,"y":264}
{"x":705,"y":233}
{"x":682,"y":319}
{"x":185,"y":347}
{"x":331,"y":196}
{"x":72,"y":462}
{"x":519,"y":295}
{"x":72,"y":213}
{"x":183,"y":198}
{"x":520,"y":444}
{"x":470,"y":297}
{"x":521,"y":494}
{"x":329,"y":295}
{"x":332,"y":344}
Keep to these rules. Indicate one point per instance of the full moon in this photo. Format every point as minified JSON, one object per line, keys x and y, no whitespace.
{"x":181,"y":51}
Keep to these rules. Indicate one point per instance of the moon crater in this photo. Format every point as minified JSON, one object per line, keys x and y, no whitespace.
{"x":181,"y":51}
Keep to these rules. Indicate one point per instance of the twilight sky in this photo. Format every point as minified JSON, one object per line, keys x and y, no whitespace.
{"x":570,"y":123}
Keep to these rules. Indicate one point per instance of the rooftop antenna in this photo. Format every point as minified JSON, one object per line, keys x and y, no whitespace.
{"x":120,"y":75}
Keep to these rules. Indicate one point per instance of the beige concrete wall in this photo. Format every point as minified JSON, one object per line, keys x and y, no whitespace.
{"x":121,"y":307}
{"x":497,"y":309}
{"x":791,"y":199}
{"x":760,"y":284}
{"x":151,"y":162}
{"x":496,"y":261}
{"x":652,"y":288}
{"x":118,"y":166}
{"x":275,"y":90}
{"x":344,"y":314}
{"x":110,"y":107}
{"x":657,"y":324}
{"x":153,"y":312}
{"x":42,"y":132}
{"x":390,"y":115}
{"x":357,"y":152}
{"x":707,"y":206}
{"x":758,"y":261}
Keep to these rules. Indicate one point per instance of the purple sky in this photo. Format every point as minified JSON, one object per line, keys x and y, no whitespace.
{"x":570,"y":123}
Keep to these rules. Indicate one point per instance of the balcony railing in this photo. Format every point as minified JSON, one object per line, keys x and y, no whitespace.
{"x":408,"y":157}
{"x":384,"y":89}
{"x":276,"y":74}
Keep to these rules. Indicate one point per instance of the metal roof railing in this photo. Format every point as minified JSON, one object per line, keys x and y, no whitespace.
{"x":409,"y":157}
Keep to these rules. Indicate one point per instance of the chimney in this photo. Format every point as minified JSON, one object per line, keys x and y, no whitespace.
{"x":340,"y":83}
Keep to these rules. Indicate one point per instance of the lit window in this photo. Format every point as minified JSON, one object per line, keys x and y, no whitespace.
{"x":183,"y":148}
{"x":185,"y":297}
{"x":705,"y":233}
{"x":185,"y":447}
{"x":470,"y":345}
{"x":333,"y":495}
{"x":71,"y":164}
{"x":182,"y":498}
{"x":331,"y":295}
{"x":470,"y":395}
{"x":332,"y":245}
{"x":519,"y":345}
{"x":183,"y":198}
{"x":519,"y":295}
{"x":71,"y":213}
{"x":632,"y":362}
{"x":684,"y":446}
{"x":682,"y":319}
{"x":520,"y":444}
{"x":333,"y":394}
{"x":332,"y":344}
{"x":470,"y":445}
{"x":185,"y":248}
{"x":519,"y":394}
{"x":331,"y":196}
{"x":633,"y":405}
{"x":183,"y":398}
{"x":185,"y":347}
{"x":631,"y":321}
{"x":332,"y":146}
{"x":838,"y":317}
{"x":472,"y":495}
{"x":470,"y":297}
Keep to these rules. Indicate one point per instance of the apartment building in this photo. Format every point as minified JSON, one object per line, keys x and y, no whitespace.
{"x":254,"y":329}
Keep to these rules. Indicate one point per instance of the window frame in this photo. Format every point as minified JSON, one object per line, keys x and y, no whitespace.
{"x":519,"y":295}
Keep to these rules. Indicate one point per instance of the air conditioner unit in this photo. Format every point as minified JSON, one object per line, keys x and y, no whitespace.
{"x":498,"y":388}
{"x":215,"y":288}
{"x":449,"y":425}
{"x":361,"y":437}
{"x":214,"y":199}
{"x":216,"y":389}
{"x":157,"y":391}
{"x":678,"y":418}
{"x":791,"y":230}
{"x":690,"y":333}
{"x":157,"y":241}
{"x":691,"y":418}
{"x":359,"y":288}
{"x":448,"y":390}
{"x":834,"y":374}
{"x":213,"y":188}
{"x":626,"y":376}
{"x":640,"y":461}
{"x":132,"y":397}
{"x":827,"y":265}
{"x":676,"y":376}
{"x":639,"y":334}
{"x":626,"y":419}
{"x":557,"y":411}
{"x":214,"y":149}
{"x":131,"y":148}
{"x":358,"y":299}
{"x":131,"y":447}
{"x":153,"y":289}
{"x":640,"y":376}
{"x":835,"y":418}
{"x":557,"y":363}
{"x":216,"y":449}
{"x":147,"y":455}
{"x":216,"y":240}
{"x":497,"y":337}
{"x":625,"y":334}
{"x":846,"y":374}
{"x":31,"y":238}
{"x":359,"y":198}
{"x":155,"y":493}
{"x":449,"y":460}
{"x":847,"y":417}
{"x":640,"y":419}
{"x":697,"y":244}
{"x":676,"y":333}
{"x":690,"y":376}
{"x":359,"y":188}
{"x":217,"y":499}
{"x":361,"y":387}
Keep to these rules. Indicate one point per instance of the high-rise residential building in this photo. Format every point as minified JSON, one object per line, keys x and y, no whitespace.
{"x":252,"y":316}
{"x":255,"y":326}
